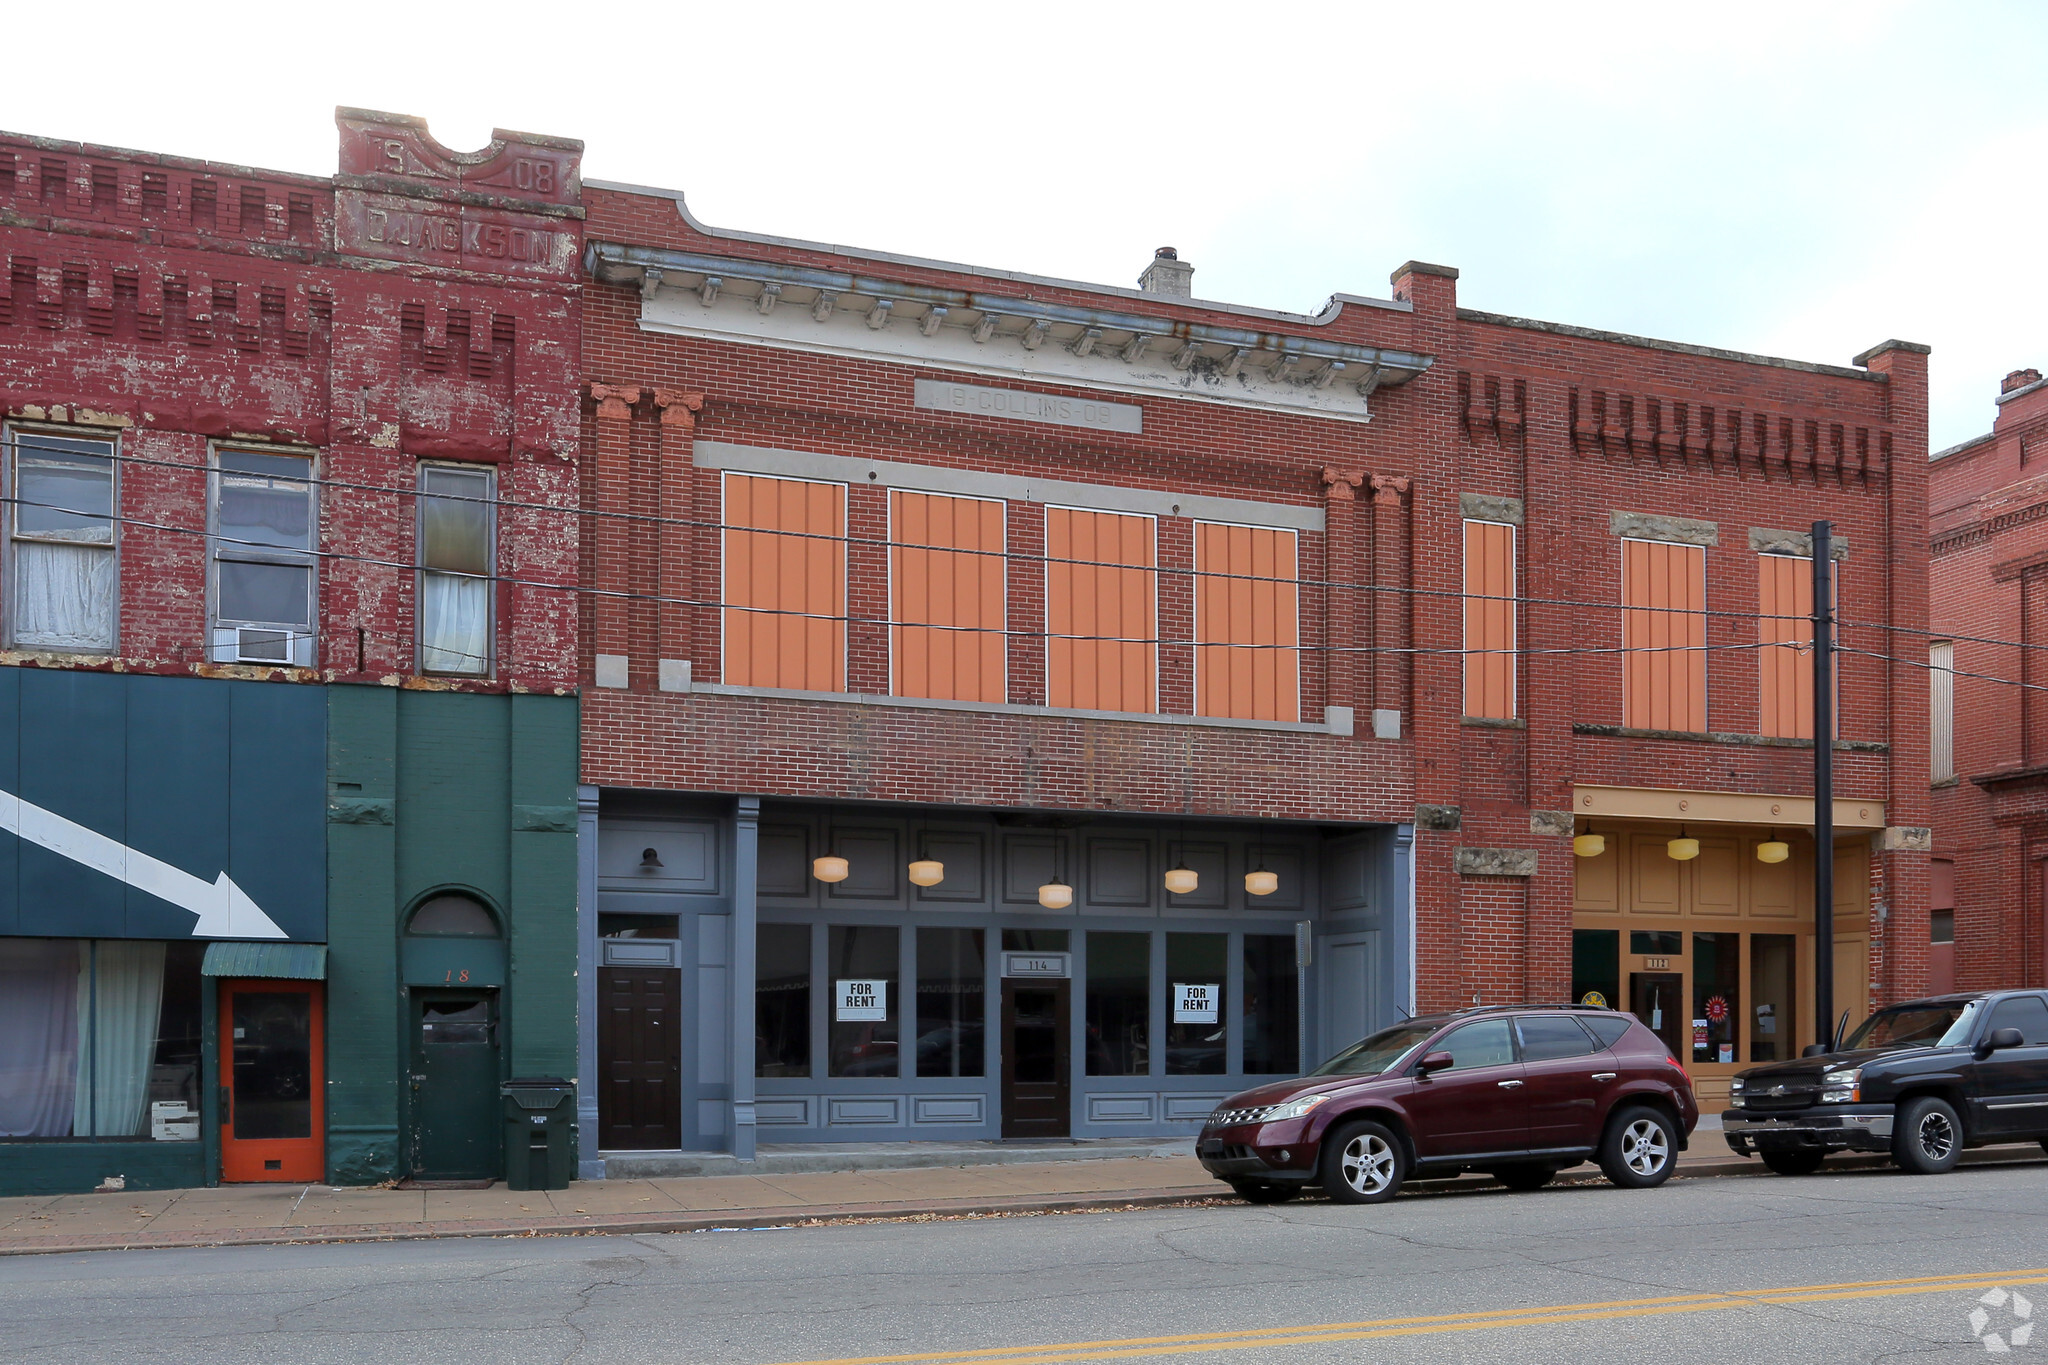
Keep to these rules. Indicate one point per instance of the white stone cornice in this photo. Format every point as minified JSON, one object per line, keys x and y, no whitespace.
{"x":733,"y":299}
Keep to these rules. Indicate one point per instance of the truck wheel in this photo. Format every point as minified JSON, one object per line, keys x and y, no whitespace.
{"x":1363,"y":1163}
{"x":1259,"y":1192}
{"x":1637,"y":1152}
{"x":1927,"y":1138}
{"x":1794,"y":1160}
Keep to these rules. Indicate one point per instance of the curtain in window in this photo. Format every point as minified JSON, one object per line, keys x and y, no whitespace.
{"x":63,"y":595}
{"x":117,"y":1021}
{"x":455,"y":624}
{"x":38,"y":1036}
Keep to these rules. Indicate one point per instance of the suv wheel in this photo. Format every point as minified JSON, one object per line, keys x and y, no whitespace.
{"x":1363,"y":1163}
{"x":1793,"y":1160}
{"x":1260,"y":1192}
{"x":1927,"y":1137}
{"x":1524,"y":1177}
{"x":1638,"y":1149}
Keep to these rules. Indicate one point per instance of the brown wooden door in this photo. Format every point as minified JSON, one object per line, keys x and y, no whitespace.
{"x":1037,"y":1094}
{"x":639,"y":1056}
{"x":273,"y":1058}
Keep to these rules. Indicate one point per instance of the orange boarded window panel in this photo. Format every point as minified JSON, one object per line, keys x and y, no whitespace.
{"x":946,"y":568}
{"x":1100,"y":586}
{"x":1664,"y":634}
{"x":1784,"y":605}
{"x":1489,"y":620}
{"x":1247,"y":664}
{"x":785,"y":583}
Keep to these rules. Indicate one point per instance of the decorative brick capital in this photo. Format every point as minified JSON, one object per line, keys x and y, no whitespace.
{"x":615,"y":401}
{"x":1338,"y":483}
{"x":678,"y":409}
{"x":1389,"y":487}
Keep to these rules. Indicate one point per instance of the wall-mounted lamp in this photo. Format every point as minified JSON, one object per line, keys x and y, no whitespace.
{"x":650,"y":861}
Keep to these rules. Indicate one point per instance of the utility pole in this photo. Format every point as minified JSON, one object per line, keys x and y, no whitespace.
{"x":1823,"y":785}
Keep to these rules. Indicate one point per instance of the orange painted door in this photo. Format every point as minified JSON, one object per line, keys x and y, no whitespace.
{"x":785,"y":584}
{"x":1247,"y":664}
{"x":946,"y":574}
{"x":273,"y":1059}
{"x":1100,"y":611}
{"x":1664,"y":634}
{"x":1489,"y":620}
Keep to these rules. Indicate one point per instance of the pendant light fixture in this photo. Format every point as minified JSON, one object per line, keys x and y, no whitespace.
{"x":831,"y":867}
{"x":1258,"y":881}
{"x":1682,"y":848}
{"x":1773,"y":850}
{"x":1589,"y":845}
{"x":1055,"y":895}
{"x":926,"y":871}
{"x":1180,"y":878}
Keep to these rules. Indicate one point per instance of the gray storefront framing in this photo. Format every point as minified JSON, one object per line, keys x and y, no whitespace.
{"x":723,"y":865}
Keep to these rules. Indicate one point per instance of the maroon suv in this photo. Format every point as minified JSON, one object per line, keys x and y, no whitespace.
{"x":1520,"y":1093}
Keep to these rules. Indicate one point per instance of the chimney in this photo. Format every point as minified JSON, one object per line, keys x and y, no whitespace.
{"x":1168,"y":274}
{"x":2019,"y":379}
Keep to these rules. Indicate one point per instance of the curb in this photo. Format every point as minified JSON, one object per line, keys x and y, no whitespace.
{"x":821,"y":1214}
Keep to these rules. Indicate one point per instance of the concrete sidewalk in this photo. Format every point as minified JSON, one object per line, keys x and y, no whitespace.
{"x":257,"y":1214}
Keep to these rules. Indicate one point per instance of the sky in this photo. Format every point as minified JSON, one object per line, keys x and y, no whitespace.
{"x":1797,"y":179}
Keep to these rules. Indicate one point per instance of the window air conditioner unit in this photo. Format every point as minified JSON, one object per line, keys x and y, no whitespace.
{"x":262,"y":645}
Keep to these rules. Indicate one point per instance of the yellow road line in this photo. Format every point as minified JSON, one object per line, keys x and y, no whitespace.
{"x":1201,"y":1343}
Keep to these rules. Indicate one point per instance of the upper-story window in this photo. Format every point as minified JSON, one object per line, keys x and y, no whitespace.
{"x":1101,"y":592}
{"x":458,"y":536}
{"x":1489,"y":620}
{"x":264,"y":582}
{"x":1941,"y":698}
{"x":946,"y":576}
{"x":1784,"y":605}
{"x":1664,"y":635}
{"x":65,"y":583}
{"x":785,"y":584}
{"x":1247,"y":617}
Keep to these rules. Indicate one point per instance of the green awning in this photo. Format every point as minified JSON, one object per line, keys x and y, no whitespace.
{"x":292,"y":961}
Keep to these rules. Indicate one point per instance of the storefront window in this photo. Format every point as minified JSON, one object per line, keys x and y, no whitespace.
{"x":1272,"y":1007}
{"x":782,"y":1000}
{"x":1656,"y":942}
{"x":1773,"y":973}
{"x":861,"y":971}
{"x":1596,"y":967}
{"x":952,"y":1002}
{"x":99,"y":1039}
{"x":1716,"y":976}
{"x":1119,"y":1003}
{"x":1196,"y":1035}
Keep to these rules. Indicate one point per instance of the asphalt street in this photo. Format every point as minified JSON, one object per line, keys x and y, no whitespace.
{"x":1829,"y":1268}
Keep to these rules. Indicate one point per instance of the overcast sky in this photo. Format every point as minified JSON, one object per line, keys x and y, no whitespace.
{"x":1793,"y":178}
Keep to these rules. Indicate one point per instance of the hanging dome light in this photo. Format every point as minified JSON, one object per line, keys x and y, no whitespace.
{"x":927,"y":872}
{"x":1684,"y":850}
{"x":1181,"y":880}
{"x":1773,"y":851}
{"x":1260,"y":882}
{"x":1055,"y":895}
{"x":1589,"y":845}
{"x":829,"y":868}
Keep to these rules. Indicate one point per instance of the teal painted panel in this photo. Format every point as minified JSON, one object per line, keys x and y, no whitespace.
{"x":79,"y":1167}
{"x":289,"y":961}
{"x":453,"y":962}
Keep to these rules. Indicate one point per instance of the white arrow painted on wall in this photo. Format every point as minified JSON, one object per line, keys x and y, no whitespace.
{"x":224,"y":909}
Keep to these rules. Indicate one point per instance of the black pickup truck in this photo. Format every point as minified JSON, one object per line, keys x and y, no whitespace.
{"x":1920,"y":1081}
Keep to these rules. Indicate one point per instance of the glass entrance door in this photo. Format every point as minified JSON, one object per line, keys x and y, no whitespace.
{"x":1036,"y":1091}
{"x":272,"y":1054}
{"x":1658,"y":999}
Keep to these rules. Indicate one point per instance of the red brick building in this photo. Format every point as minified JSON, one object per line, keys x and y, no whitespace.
{"x":1029,"y":707}
{"x":1988,"y":572}
{"x":287,"y":632}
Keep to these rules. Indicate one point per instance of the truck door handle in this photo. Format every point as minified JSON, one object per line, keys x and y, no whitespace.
{"x":1507,"y":1085}
{"x":1603,"y":1075}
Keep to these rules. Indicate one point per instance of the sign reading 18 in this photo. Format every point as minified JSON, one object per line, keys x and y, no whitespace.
{"x":455,"y":975}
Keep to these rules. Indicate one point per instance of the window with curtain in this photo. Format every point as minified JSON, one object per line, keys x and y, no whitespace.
{"x":65,"y":591}
{"x":99,"y":1038}
{"x":1941,"y":703}
{"x":1247,"y":664}
{"x":457,"y":544}
{"x":1664,"y":636}
{"x":263,"y":539}
{"x":946,"y":592}
{"x":1100,"y":611}
{"x":1489,"y":620}
{"x":785,"y":584}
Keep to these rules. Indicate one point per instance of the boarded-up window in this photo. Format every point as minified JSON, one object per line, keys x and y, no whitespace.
{"x":1941,"y":698}
{"x":946,"y":569}
{"x":1664,"y":631}
{"x":1247,"y":665}
{"x":785,"y":583}
{"x":1784,"y":605}
{"x":1489,"y":620}
{"x":1099,"y":611}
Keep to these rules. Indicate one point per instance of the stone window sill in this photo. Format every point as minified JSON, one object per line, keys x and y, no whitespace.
{"x":1851,"y":746}
{"x":1337,"y":719}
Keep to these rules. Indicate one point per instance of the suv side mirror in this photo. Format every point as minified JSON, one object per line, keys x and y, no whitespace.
{"x":2001,"y":1037}
{"x":1435,"y":1062}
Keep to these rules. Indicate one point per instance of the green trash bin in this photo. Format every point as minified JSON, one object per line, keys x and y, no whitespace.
{"x":540,"y":1132}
